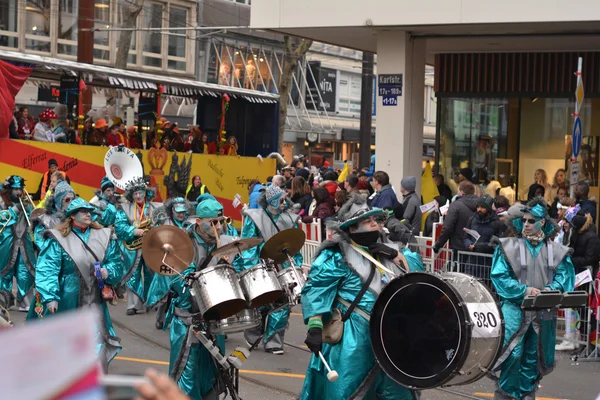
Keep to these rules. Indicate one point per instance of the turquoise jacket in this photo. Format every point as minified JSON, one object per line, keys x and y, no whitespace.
{"x":58,"y":280}
{"x":190,"y":363}
{"x":109,"y":214}
{"x":533,"y":355}
{"x":352,"y":357}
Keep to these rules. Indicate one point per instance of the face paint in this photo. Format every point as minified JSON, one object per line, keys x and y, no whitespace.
{"x":108,"y":192}
{"x":367,"y":225}
{"x":83,"y":218}
{"x":179,"y":216}
{"x":532,"y":224}
{"x":139,"y":196}
{"x":66,"y":200}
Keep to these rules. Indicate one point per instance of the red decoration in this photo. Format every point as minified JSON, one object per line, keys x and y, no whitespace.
{"x":161,"y":90}
{"x":12,"y":79}
{"x":224,"y":108}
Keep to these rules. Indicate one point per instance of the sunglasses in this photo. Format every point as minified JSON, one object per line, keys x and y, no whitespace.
{"x":215,"y":222}
{"x":529,"y":220}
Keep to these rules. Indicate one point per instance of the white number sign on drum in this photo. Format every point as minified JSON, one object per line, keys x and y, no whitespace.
{"x":486,"y":320}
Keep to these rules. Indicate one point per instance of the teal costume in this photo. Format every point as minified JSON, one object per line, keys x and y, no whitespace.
{"x":136,"y":275}
{"x":518,"y":265}
{"x":17,"y":255}
{"x":106,"y":213}
{"x":257,"y":224}
{"x":53,"y":214}
{"x":65,"y":277}
{"x":335,"y":278}
{"x":190,"y":363}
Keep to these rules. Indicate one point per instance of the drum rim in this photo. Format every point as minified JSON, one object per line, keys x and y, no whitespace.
{"x":253,"y":268}
{"x":215,"y":267}
{"x":464,"y":332}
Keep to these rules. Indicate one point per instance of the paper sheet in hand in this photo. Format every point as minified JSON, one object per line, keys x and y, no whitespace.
{"x":474,"y":234}
{"x":444,"y":209}
{"x":54,"y":358}
{"x":583,"y":278}
{"x":425,"y":208}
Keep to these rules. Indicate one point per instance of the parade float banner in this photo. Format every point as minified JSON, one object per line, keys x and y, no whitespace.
{"x":170,"y":172}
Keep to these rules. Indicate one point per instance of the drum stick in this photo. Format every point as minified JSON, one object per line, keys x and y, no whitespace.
{"x":332,"y":376}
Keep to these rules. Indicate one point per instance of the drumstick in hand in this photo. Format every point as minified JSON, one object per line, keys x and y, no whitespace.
{"x":332,"y":376}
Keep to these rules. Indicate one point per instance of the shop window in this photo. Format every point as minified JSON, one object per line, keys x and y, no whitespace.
{"x":473,"y":134}
{"x":226,"y":66}
{"x":177,"y":44}
{"x":38,"y":20}
{"x":213,"y":63}
{"x":121,"y":16}
{"x":349,"y":94}
{"x":67,"y":27}
{"x":9,"y":24}
{"x":239,"y":66}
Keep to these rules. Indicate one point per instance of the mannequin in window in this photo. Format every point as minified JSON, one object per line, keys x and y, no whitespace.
{"x":251,"y":73}
{"x":225,"y":74}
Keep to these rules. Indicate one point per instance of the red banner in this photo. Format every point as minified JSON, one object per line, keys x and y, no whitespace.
{"x":12,"y":79}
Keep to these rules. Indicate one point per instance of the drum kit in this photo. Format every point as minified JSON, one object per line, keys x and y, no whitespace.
{"x":228,"y":302}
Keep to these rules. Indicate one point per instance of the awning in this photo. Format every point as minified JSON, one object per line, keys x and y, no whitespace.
{"x":134,"y":80}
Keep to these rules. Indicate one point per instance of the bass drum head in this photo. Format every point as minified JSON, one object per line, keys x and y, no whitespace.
{"x":418,"y":330}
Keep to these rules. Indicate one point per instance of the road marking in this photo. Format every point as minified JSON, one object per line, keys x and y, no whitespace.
{"x":483,"y":394}
{"x":243,"y":371}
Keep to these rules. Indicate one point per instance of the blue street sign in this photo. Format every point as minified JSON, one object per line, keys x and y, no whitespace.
{"x":374,"y":109}
{"x":576,"y":137}
{"x":390,"y":100}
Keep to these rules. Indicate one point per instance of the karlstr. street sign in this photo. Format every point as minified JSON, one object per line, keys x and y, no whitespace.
{"x":576,"y":137}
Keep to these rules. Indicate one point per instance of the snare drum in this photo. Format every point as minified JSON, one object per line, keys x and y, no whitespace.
{"x":217,"y":292}
{"x":260,"y":286}
{"x":292,"y":283}
{"x":245,"y":319}
{"x":436,"y":330}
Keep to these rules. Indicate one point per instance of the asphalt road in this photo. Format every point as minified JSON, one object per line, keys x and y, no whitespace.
{"x":266,"y":376}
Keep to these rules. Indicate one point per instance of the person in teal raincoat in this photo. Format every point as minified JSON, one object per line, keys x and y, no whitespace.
{"x":53,"y":212}
{"x":190,"y":363}
{"x":173,"y":213}
{"x":70,"y":275}
{"x":137,"y":277}
{"x":526,"y":265}
{"x":335,"y":279}
{"x":105,"y":213}
{"x":17,"y":255}
{"x":264,"y":223}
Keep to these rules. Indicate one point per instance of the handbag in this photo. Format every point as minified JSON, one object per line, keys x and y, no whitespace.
{"x":107,"y":292}
{"x":333,"y":330}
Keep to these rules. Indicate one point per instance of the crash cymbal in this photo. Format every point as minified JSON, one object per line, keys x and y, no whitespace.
{"x":236,"y":246}
{"x":171,"y":240}
{"x":290,"y":240}
{"x":37,"y":212}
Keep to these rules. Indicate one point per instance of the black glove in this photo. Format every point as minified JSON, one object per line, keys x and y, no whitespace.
{"x":380,"y":249}
{"x":436,"y":249}
{"x":314,"y":340}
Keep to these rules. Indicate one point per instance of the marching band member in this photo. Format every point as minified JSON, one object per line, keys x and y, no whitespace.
{"x":526,"y":265}
{"x":56,"y":205}
{"x":265,"y":222}
{"x":17,"y":255}
{"x":72,"y":270}
{"x":133,"y":219}
{"x":104,"y":199}
{"x":175,"y":214}
{"x":191,"y":365}
{"x":337,"y":275}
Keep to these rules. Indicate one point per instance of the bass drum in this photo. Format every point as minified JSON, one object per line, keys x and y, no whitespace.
{"x":431,"y":330}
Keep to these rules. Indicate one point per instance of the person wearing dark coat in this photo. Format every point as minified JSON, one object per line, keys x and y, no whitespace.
{"x":300,"y":194}
{"x":459,"y":213}
{"x":325,"y":207}
{"x":486,"y":223}
{"x":386,"y":197}
{"x":412,"y":203}
{"x":400,"y":230}
{"x":582,"y":191}
{"x":585,"y":243}
{"x":535,"y":190}
{"x":434,"y":216}
{"x":443,"y":189}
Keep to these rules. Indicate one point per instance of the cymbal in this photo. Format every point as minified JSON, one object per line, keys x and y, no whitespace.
{"x":37,"y":212}
{"x":290,"y":240}
{"x":171,"y":240}
{"x":236,"y":246}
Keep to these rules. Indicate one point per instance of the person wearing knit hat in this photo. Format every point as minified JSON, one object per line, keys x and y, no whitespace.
{"x":487,"y":202}
{"x":335,"y":279}
{"x":192,"y":367}
{"x":77,"y":270}
{"x":465,"y":173}
{"x":522,"y":266}
{"x":264,"y":222}
{"x":104,"y":201}
{"x":486,"y":223}
{"x":17,"y":254}
{"x":45,"y":180}
{"x":412,"y":203}
{"x":131,"y":218}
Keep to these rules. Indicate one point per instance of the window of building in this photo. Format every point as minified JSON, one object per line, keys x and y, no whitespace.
{"x":102,"y":12}
{"x":9,"y":24}
{"x":121,"y":17}
{"x":37,"y":21}
{"x":430,"y":106}
{"x":349,"y":93}
{"x":177,"y":44}
{"x":67,"y":27}
{"x":152,"y":40}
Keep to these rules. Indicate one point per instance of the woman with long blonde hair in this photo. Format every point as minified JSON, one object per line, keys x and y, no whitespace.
{"x":75,"y":270}
{"x":541,"y":178}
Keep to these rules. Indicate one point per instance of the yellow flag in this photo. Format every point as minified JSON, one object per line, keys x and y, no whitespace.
{"x":344,"y":173}
{"x":428,"y":190}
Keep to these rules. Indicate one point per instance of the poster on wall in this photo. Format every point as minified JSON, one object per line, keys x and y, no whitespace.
{"x":324,"y":83}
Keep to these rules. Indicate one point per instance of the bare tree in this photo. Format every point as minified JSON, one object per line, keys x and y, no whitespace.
{"x":131,"y":10}
{"x":295,"y":48}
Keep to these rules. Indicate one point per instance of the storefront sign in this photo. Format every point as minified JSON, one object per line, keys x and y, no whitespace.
{"x":574,"y":179}
{"x":576,"y":137}
{"x":389,"y":87}
{"x":50,"y":94}
{"x":323,"y":84}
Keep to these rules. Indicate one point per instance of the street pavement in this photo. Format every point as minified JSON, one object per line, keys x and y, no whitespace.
{"x":265,"y":376}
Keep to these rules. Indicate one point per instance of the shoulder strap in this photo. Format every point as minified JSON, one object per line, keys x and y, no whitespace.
{"x":360,"y":294}
{"x":272,"y":220}
{"x":86,"y":246}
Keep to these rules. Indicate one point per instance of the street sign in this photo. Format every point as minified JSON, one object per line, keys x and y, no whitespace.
{"x":389,"y":86}
{"x":574,"y":178}
{"x":390,"y":101}
{"x":576,"y":137}
{"x":579,"y":93}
